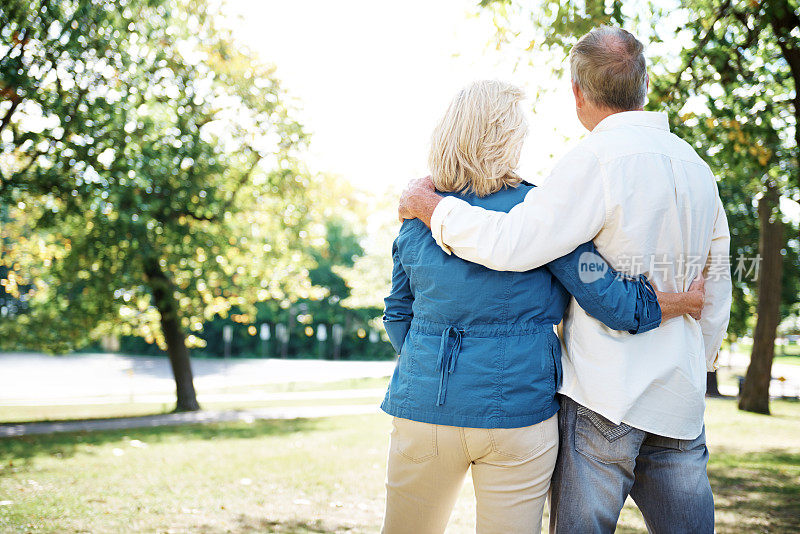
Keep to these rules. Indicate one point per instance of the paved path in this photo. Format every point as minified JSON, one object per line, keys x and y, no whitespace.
{"x":186,"y":418}
{"x":785,"y":376}
{"x":38,"y":379}
{"x":205,"y":398}
{"x":35,"y":379}
{"x":31,"y":379}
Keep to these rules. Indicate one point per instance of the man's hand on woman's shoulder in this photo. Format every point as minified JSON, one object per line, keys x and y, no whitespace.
{"x":418,"y":200}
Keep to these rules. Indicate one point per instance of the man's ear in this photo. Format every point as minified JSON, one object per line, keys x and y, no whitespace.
{"x":579,"y":98}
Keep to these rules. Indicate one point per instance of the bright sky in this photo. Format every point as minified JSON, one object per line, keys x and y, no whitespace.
{"x":372,"y":78}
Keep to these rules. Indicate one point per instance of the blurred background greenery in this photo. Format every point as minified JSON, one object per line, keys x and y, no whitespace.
{"x":156,"y":194}
{"x":216,"y":179}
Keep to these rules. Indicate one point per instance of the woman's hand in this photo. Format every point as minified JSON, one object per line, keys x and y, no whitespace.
{"x":697,"y":296}
{"x":686,"y":303}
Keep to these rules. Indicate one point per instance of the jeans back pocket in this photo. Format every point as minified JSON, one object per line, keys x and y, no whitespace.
{"x":602,"y":440}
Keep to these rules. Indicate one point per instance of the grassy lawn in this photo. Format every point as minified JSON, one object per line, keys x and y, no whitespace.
{"x":792,"y":349}
{"x":322,"y":476}
{"x":793,"y":359}
{"x":18,"y":414}
{"x":783,"y":354}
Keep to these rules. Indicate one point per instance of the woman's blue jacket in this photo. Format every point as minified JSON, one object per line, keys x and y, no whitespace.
{"x":477,"y":347}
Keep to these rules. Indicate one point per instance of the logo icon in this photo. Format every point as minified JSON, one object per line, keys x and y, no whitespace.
{"x":591,"y":267}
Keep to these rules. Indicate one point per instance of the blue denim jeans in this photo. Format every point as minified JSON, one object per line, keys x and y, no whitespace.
{"x":599,"y":464}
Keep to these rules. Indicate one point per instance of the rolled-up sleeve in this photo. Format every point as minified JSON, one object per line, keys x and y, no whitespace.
{"x":568,"y":210}
{"x":719,"y":288}
{"x":618,"y":301}
{"x":399,"y":304}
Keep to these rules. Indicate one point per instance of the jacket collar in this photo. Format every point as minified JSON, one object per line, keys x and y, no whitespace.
{"x":650,"y":119}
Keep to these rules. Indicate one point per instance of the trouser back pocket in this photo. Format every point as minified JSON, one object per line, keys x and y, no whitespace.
{"x":599,"y":438}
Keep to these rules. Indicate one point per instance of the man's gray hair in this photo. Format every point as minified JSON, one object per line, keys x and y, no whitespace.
{"x":609,"y":67}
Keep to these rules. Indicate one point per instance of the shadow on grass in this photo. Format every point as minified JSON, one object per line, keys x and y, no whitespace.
{"x":23,"y":449}
{"x":251,"y":524}
{"x":763,"y":486}
{"x":155,"y":412}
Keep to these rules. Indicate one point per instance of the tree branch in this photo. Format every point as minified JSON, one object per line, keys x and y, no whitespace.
{"x":783,"y":24}
{"x":721,"y":12}
{"x":15,"y":100}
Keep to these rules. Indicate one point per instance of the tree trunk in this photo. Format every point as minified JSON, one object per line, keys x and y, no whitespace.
{"x":712,"y":386}
{"x":164,"y":301}
{"x":755,"y":390}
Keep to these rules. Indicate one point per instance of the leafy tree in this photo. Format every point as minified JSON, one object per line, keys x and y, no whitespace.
{"x":730,"y":90}
{"x":341,"y":248}
{"x":345,"y":222}
{"x":154,"y":169}
{"x":349,"y":283}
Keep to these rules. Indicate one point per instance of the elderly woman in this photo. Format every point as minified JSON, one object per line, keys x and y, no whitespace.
{"x":480,"y":363}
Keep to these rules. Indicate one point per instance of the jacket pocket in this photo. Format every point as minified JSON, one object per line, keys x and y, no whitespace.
{"x":414,"y":440}
{"x":602,"y":440}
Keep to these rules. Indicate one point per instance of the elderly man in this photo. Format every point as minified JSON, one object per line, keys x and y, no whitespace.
{"x":631,"y":418}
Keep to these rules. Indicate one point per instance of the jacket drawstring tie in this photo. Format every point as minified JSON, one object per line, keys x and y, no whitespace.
{"x":448,"y":354}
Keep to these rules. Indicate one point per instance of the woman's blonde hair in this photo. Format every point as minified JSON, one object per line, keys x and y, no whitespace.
{"x":476,"y":146}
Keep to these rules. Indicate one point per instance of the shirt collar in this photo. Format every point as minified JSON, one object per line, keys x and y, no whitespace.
{"x":650,"y":119}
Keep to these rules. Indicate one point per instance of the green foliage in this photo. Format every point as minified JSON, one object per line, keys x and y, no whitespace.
{"x":341,"y":271}
{"x":341,"y":248}
{"x":334,"y":255}
{"x":724,"y":73}
{"x":138,"y":141}
{"x":729,"y":99}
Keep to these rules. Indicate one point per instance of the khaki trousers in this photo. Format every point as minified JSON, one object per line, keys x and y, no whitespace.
{"x":511,"y":470}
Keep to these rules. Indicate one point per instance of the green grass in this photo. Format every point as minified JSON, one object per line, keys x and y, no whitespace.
{"x":755,"y":467}
{"x":18,"y":414}
{"x":792,"y":349}
{"x":793,"y":359}
{"x":783,"y":354}
{"x":324,"y":476}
